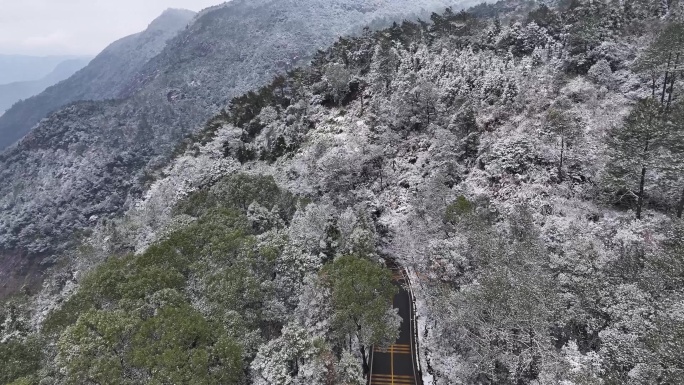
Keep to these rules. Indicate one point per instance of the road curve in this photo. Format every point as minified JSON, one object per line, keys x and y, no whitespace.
{"x":396,"y":365}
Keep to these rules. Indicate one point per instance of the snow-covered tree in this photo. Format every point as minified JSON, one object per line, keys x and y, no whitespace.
{"x":362,"y":295}
{"x":634,"y":150}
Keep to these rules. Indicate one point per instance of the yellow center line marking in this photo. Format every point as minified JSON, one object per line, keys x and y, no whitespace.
{"x":392,"y":365}
{"x":376,"y":380}
{"x":392,"y":352}
{"x":393,"y":348}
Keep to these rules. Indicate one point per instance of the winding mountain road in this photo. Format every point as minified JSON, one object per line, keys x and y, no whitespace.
{"x":396,"y":365}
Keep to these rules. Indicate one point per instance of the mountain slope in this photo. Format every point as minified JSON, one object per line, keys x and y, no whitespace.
{"x":105,"y":77}
{"x":91,"y":159}
{"x":14,"y":92}
{"x":472,"y":151}
{"x":450,"y":161}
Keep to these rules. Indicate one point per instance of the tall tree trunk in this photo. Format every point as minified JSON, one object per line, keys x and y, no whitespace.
{"x":642,"y":183}
{"x":680,"y":206}
{"x":560,"y":164}
{"x":361,"y":113}
{"x":666,"y":80}
{"x":640,"y":202}
{"x":672,"y":83}
{"x":669,"y":98}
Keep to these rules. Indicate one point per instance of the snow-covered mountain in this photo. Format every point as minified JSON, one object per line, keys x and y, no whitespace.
{"x":90,"y":159}
{"x":521,"y":163}
{"x":105,"y":77}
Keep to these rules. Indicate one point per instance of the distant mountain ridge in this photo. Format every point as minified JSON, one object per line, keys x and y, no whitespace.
{"x":104,"y":78}
{"x":16,"y":91}
{"x":24,"y":68}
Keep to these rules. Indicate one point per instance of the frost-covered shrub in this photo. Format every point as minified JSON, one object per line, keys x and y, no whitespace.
{"x":513,"y":156}
{"x":526,"y":39}
{"x":601,"y":74}
{"x":579,"y":90}
{"x":337,"y":78}
{"x":274,"y":361}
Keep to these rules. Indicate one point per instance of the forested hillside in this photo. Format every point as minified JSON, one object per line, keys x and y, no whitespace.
{"x":522,"y":162}
{"x":90,"y":160}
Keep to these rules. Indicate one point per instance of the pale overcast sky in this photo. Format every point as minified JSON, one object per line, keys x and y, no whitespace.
{"x":78,"y":27}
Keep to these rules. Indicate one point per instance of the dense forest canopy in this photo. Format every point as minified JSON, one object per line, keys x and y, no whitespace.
{"x":520,"y":160}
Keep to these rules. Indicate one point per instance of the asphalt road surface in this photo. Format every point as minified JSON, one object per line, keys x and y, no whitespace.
{"x":395,"y":365}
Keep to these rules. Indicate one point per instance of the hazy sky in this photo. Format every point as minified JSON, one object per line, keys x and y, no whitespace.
{"x":79,"y":27}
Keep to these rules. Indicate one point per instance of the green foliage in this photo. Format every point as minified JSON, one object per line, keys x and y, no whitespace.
{"x":129,"y":278}
{"x":660,"y":276}
{"x":178,"y":345}
{"x":163,"y":341}
{"x":19,"y":359}
{"x":199,"y":301}
{"x":662,"y":61}
{"x":24,"y":381}
{"x":331,"y":242}
{"x":237,"y":192}
{"x":244,"y":109}
{"x":337,"y":77}
{"x":57,"y":320}
{"x":130,"y":317}
{"x":94,"y":349}
{"x":664,"y":270}
{"x":239,"y":288}
{"x":131,"y":320}
{"x":362,"y":294}
{"x":562,"y":124}
{"x":459,"y":208}
{"x":467,"y":122}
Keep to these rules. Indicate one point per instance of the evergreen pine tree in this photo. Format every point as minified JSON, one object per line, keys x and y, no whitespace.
{"x":633,"y":151}
{"x":566,"y":130}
